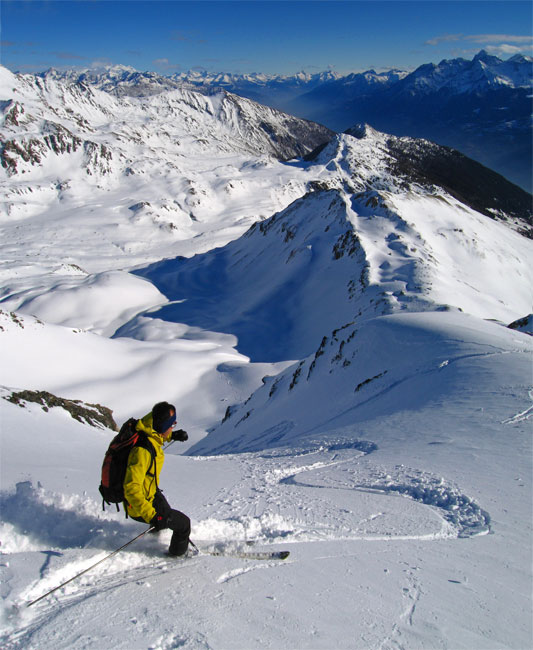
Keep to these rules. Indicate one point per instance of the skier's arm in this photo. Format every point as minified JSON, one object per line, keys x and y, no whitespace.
{"x":138,"y":466}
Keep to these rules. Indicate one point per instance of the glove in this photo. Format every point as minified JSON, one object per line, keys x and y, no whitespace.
{"x":159,"y":522}
{"x":180,"y":435}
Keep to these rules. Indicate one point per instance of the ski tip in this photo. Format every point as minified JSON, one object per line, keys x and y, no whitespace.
{"x":283,"y":555}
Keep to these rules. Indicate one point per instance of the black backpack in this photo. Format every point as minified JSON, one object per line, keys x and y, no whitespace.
{"x":116,"y":460}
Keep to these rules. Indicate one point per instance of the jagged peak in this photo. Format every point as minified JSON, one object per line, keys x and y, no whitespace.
{"x":111,"y":70}
{"x":521,"y":58}
{"x":485,"y":57}
{"x":362,"y":131}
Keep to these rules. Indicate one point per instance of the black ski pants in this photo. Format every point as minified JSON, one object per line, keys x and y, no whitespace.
{"x":178,"y":522}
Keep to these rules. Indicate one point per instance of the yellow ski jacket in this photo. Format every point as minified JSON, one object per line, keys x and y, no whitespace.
{"x":141,"y":480}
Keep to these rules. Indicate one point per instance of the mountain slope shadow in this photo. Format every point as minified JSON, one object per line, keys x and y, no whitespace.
{"x":262,"y":287}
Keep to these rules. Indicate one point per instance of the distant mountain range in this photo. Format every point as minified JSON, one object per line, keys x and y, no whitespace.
{"x":481,"y":107}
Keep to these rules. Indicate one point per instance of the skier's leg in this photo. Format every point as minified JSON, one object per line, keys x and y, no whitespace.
{"x":180,"y":524}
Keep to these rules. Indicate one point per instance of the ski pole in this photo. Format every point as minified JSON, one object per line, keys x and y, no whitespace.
{"x":89,"y":568}
{"x":194,"y":546}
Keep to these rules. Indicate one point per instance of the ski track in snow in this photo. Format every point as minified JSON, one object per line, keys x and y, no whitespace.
{"x":280,"y":497}
{"x":523,"y":416}
{"x":411,"y":595}
{"x":235,"y":573}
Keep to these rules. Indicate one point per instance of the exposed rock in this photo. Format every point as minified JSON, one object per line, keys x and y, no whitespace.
{"x":95,"y":415}
{"x":523,"y":325}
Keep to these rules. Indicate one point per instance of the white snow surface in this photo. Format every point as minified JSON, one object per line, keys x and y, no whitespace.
{"x":380,"y":410}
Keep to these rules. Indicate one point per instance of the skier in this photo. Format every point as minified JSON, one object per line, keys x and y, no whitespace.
{"x":144,"y":501}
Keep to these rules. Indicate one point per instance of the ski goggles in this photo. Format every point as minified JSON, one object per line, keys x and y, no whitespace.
{"x":166,"y":424}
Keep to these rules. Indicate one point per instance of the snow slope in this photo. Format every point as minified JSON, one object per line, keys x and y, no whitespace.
{"x":364,"y":242}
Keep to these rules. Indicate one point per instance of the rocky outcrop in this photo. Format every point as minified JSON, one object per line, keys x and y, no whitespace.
{"x":95,"y":415}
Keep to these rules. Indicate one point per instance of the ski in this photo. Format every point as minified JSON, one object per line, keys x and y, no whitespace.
{"x":245,"y":555}
{"x":249,"y":555}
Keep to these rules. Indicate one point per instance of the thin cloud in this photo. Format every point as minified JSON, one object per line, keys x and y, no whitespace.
{"x":180,"y":36}
{"x":26,"y":67}
{"x":18,"y":43}
{"x":500,"y":38}
{"x":493,"y":40}
{"x":164,"y":64}
{"x":504,"y":49}
{"x":445,"y":38}
{"x":186,"y":37}
{"x":101,"y":62}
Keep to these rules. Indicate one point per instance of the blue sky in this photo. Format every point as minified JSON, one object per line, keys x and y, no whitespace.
{"x":275,"y":37}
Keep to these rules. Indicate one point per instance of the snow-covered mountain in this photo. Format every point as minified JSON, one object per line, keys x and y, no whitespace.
{"x":137,"y":175}
{"x":179,"y":173}
{"x":384,"y":365}
{"x":463,"y":76}
{"x":118,"y":80}
{"x":344,"y":336}
{"x":374,"y":237}
{"x":459,"y":76}
{"x":44,"y":115}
